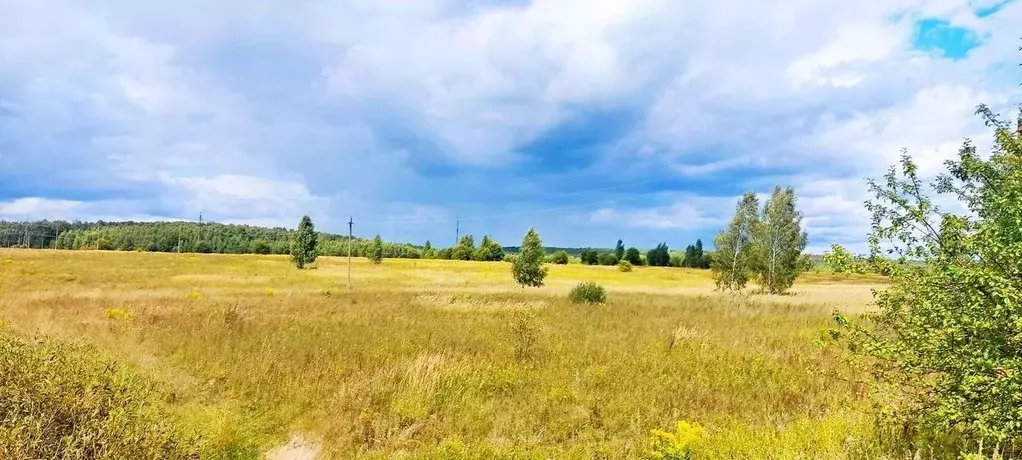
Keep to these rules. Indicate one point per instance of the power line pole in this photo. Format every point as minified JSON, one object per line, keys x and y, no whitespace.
{"x":457,"y":231}
{"x":351,"y":222}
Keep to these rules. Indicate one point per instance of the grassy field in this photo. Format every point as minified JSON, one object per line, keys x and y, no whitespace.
{"x":440,"y":359}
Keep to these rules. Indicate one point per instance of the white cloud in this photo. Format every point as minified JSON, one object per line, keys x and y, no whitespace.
{"x":346,"y":99}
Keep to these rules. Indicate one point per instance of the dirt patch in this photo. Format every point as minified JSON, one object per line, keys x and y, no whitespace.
{"x":297,"y":448}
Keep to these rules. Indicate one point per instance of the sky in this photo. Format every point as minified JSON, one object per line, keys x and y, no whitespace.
{"x":591,"y":120}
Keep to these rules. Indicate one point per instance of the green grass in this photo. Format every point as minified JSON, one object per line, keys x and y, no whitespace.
{"x":439,"y":359}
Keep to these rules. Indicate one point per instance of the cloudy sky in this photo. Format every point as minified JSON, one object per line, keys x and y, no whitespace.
{"x":591,"y":119}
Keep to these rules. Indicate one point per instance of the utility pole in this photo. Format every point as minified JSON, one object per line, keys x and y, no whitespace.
{"x":457,"y":231}
{"x":351,"y":222}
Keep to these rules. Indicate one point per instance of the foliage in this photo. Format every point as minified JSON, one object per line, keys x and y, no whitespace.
{"x":464,"y":249}
{"x":589,"y":256}
{"x":376,"y":252}
{"x":695,"y":257}
{"x":588,"y":292}
{"x":559,"y":258}
{"x":947,"y":336}
{"x":660,"y":256}
{"x":488,"y":251}
{"x":780,"y":242}
{"x":624,"y":266}
{"x":303,"y":246}
{"x":839,"y":259}
{"x":619,"y":250}
{"x":632,"y":255}
{"x":260,"y":246}
{"x":681,"y":444}
{"x":607,"y":258}
{"x":60,"y":400}
{"x":735,"y":257}
{"x":527,"y":268}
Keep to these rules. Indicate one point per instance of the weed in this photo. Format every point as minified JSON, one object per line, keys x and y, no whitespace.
{"x":681,"y":444}
{"x":524,"y":334}
{"x":117,"y":314}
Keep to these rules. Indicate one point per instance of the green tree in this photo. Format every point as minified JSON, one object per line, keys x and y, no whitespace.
{"x":465,"y":248}
{"x":619,"y":250}
{"x":660,"y":256}
{"x":589,"y":256}
{"x":527,"y":268}
{"x":735,"y":256}
{"x":260,"y":246}
{"x":489,"y":250}
{"x":375,"y":254}
{"x":947,"y":334}
{"x":633,"y":256}
{"x":559,"y":258}
{"x":701,"y":259}
{"x":780,"y":241}
{"x":303,"y":245}
{"x":607,"y":258}
{"x":839,"y":259}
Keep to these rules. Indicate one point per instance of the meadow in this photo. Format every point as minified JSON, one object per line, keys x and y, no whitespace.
{"x":248,"y":357}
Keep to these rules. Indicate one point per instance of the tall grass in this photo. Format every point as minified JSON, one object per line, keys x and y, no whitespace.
{"x":392,"y":369}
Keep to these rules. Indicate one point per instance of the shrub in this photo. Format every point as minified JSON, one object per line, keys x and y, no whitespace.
{"x":588,"y":292}
{"x":58,"y":400}
{"x":260,"y":246}
{"x":607,"y":258}
{"x":559,"y":258}
{"x":624,"y":266}
{"x":589,"y":256}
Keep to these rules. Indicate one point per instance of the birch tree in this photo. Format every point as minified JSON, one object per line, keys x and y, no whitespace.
{"x":780,"y":242}
{"x":734,"y":260}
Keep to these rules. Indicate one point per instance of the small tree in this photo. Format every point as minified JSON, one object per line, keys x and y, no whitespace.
{"x":303,"y":245}
{"x":607,"y":258}
{"x":780,"y":241}
{"x":527,"y":268}
{"x":735,"y":257}
{"x":619,"y":250}
{"x":376,"y":250}
{"x":488,"y":251}
{"x":633,"y":255}
{"x":465,"y":248}
{"x":589,"y":256}
{"x":839,"y":259}
{"x":559,"y":258}
{"x":947,"y":331}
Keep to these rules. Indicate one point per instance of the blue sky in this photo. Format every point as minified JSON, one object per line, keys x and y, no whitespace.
{"x":591,"y":120}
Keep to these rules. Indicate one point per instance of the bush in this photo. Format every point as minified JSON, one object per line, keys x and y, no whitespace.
{"x":260,"y":247}
{"x":559,"y":258}
{"x":589,"y":256}
{"x":624,"y":266}
{"x":607,"y":258}
{"x":588,"y":292}
{"x":60,"y":401}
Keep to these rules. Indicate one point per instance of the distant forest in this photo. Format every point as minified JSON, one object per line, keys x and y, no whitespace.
{"x":182,"y":236}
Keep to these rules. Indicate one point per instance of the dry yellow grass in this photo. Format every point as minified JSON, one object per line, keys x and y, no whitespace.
{"x":440,"y":359}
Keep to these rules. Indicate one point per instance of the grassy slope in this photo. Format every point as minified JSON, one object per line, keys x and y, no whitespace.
{"x":449,"y":359}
